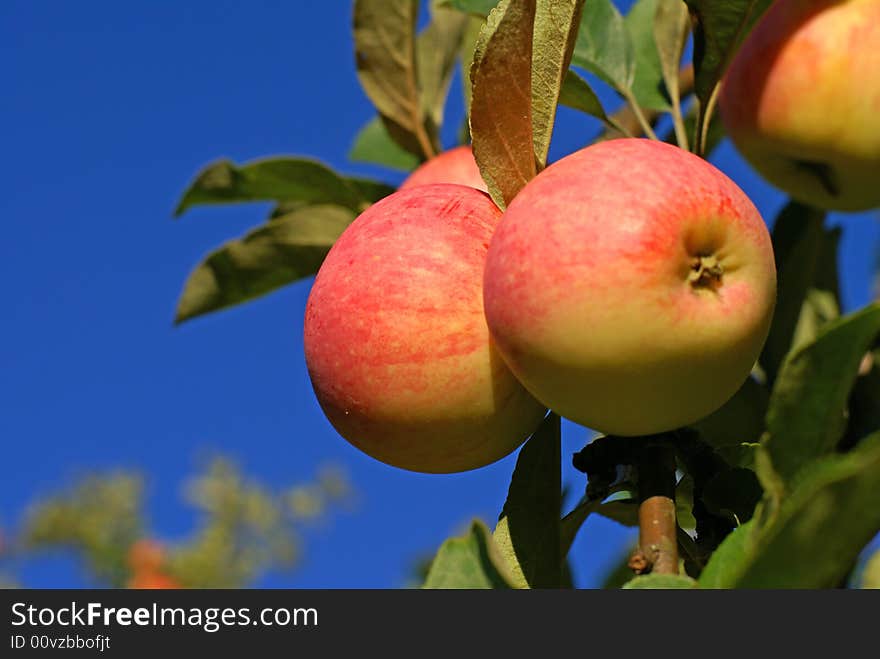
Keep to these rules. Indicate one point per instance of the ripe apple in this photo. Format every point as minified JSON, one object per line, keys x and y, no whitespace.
{"x":396,"y":342}
{"x":801,"y":101}
{"x":453,"y":166}
{"x":630,"y":287}
{"x":152,"y":581}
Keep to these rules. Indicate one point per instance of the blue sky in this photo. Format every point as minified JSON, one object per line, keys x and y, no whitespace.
{"x":108,"y":110}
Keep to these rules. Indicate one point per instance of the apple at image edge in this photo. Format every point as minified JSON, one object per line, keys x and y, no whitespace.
{"x":630,"y":287}
{"x":801,"y":101}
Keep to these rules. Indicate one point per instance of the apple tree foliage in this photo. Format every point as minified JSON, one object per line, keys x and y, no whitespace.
{"x":778,"y":488}
{"x":242,"y":528}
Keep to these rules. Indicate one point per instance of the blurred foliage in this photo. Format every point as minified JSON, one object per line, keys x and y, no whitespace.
{"x":243,"y":528}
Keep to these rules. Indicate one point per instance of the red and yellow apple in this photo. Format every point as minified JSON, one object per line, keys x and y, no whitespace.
{"x":396,"y":342}
{"x":456,"y":165}
{"x":630,"y":287}
{"x":801,"y":101}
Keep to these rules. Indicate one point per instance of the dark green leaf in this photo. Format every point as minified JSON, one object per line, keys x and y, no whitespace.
{"x":501,"y":99}
{"x":806,"y":415}
{"x":437,"y":48}
{"x":281,"y":251}
{"x":721,"y":27}
{"x":733,"y":494}
{"x":660,"y":582}
{"x":864,"y":403}
{"x":572,"y":522}
{"x":384,"y":39}
{"x":374,"y":145}
{"x":370,"y":191}
{"x":797,"y":240}
{"x":556,"y":28}
{"x":471,"y":561}
{"x":603,"y":45}
{"x":270,"y":179}
{"x":476,"y":7}
{"x":740,"y":420}
{"x":528,"y":531}
{"x":647,"y":83}
{"x":576,"y":93}
{"x":821,"y":528}
{"x":730,"y":559}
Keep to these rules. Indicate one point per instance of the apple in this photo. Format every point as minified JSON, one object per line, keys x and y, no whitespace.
{"x":396,"y":343}
{"x":145,"y":555}
{"x":456,"y":165}
{"x":152,"y":581}
{"x":630,"y":287}
{"x":801,"y":101}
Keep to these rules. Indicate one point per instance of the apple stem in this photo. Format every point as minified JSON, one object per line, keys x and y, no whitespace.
{"x":658,"y":531}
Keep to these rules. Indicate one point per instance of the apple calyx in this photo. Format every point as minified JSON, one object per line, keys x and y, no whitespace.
{"x":706,"y":272}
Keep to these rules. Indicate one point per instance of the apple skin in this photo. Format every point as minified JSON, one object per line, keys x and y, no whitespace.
{"x":396,"y":342}
{"x":801,"y":101}
{"x":588,"y":290}
{"x":456,"y":165}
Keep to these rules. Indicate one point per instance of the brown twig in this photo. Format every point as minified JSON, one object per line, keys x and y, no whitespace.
{"x":658,"y":539}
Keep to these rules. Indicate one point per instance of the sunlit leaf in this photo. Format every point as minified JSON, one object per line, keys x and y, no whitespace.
{"x":556,"y":27}
{"x":647,"y":83}
{"x":471,"y":561}
{"x":671,"y":26}
{"x":269,"y":179}
{"x":437,"y":48}
{"x":281,"y":251}
{"x":374,"y":145}
{"x":603,"y":45}
{"x":501,"y":117}
{"x":385,"y":49}
{"x":576,"y":93}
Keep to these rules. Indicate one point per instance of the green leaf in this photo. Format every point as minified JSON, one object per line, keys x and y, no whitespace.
{"x":281,"y":251}
{"x":730,"y":559}
{"x":269,"y":179}
{"x":797,"y":240}
{"x":476,"y":7}
{"x":576,"y":93}
{"x":369,"y":190}
{"x":385,"y":50}
{"x":671,"y":26}
{"x":603,"y":45}
{"x":806,"y":415}
{"x":721,"y":27}
{"x":555,"y":31}
{"x":822,"y":526}
{"x":471,"y":561}
{"x":437,"y":48}
{"x":660,"y":582}
{"x":740,"y":420}
{"x":647,"y":83}
{"x":374,"y":145}
{"x":501,"y":100}
{"x":528,"y":531}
